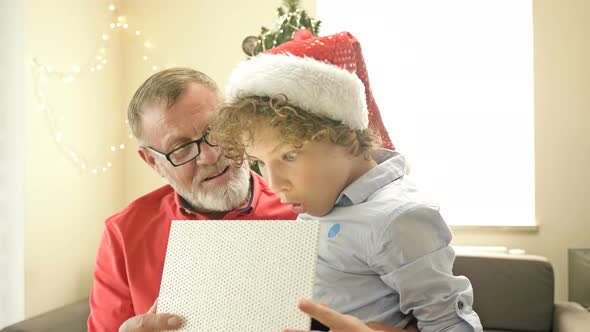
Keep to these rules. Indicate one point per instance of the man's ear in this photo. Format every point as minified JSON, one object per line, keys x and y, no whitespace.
{"x":149,"y":159}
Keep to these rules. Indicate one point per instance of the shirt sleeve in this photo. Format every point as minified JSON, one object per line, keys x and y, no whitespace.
{"x":110,"y":298}
{"x":413,"y":257}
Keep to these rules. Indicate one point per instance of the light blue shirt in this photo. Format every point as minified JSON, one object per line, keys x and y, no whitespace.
{"x":385,"y":255}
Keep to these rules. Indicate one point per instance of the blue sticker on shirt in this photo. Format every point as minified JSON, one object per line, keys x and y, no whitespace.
{"x":333,"y":230}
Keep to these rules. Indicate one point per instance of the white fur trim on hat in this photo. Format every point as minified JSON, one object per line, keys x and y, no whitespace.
{"x":312,"y":85}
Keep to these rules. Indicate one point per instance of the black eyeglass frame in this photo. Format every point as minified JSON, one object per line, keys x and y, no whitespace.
{"x":197,"y":142}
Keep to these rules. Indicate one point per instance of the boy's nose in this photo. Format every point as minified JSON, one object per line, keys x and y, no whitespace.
{"x":276,"y":181}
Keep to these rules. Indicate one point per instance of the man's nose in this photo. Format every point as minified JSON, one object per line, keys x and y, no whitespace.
{"x":209,"y":155}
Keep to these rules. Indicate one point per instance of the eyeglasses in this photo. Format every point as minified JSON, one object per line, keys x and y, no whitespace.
{"x":184,"y":153}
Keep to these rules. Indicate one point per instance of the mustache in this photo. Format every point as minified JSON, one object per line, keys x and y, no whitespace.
{"x":206,"y":171}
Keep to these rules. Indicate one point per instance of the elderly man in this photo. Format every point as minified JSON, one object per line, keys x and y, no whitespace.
{"x":169,"y":116}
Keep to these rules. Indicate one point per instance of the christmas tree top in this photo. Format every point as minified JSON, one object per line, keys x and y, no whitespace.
{"x":293,"y":21}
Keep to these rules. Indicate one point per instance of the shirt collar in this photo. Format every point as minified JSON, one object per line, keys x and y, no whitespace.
{"x":391,"y":166}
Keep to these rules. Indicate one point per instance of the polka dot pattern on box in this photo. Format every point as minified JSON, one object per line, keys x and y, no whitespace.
{"x":239,"y":275}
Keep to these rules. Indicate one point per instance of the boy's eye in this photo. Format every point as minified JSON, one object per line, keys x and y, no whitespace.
{"x":291,"y":156}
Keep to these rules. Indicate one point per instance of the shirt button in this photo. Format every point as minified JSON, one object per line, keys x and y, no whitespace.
{"x":460,"y":305}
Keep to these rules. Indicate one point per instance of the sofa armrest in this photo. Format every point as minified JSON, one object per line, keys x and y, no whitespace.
{"x":70,"y":318}
{"x":570,"y":317}
{"x":511,"y":292}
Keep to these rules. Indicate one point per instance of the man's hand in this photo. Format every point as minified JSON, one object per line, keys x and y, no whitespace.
{"x":151,"y":322}
{"x":338,"y":322}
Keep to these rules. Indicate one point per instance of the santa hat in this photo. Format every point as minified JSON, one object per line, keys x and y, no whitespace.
{"x":324,"y":75}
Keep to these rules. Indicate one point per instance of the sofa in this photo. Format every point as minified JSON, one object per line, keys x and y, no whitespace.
{"x":513,"y":293}
{"x":70,"y":318}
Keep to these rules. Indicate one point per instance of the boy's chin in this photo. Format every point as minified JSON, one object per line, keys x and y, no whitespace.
{"x":319,"y":211}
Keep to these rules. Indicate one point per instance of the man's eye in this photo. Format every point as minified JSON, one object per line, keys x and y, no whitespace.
{"x":291,"y":156}
{"x":182,"y":152}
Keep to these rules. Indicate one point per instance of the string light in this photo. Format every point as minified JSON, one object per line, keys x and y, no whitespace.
{"x":44,"y":72}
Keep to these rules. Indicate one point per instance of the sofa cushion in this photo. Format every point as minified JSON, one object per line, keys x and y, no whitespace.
{"x":512,"y":292}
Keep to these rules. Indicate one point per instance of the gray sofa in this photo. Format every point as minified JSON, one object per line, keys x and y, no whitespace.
{"x":71,"y":318}
{"x":513,"y":293}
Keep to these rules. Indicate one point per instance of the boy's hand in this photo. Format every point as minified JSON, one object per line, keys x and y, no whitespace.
{"x":151,"y":322}
{"x":338,"y":322}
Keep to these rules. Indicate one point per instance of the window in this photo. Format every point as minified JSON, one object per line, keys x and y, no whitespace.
{"x":454,"y":83}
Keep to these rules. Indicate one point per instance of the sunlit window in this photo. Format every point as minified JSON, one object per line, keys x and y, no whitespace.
{"x":454,"y":82}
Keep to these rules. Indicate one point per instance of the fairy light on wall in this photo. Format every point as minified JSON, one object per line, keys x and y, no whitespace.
{"x":44,"y":73}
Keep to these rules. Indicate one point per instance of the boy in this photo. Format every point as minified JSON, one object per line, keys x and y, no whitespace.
{"x":301,"y":111}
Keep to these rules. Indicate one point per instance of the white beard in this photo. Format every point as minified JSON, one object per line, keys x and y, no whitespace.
{"x":219,"y":199}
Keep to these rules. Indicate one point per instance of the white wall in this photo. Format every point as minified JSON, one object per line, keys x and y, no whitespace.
{"x":64,"y":207}
{"x":12,"y":286}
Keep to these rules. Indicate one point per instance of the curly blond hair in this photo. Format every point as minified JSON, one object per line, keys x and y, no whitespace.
{"x":237,"y":123}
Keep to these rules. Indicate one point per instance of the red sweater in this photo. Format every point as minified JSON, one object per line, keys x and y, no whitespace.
{"x":130,"y":260}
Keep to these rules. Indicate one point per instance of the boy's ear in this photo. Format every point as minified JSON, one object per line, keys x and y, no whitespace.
{"x":149,"y":159}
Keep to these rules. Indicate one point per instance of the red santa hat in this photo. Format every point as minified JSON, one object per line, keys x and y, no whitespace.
{"x":325,"y":75}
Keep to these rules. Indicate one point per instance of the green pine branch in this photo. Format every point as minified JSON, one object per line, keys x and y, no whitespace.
{"x":291,"y":18}
{"x":291,"y":5}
